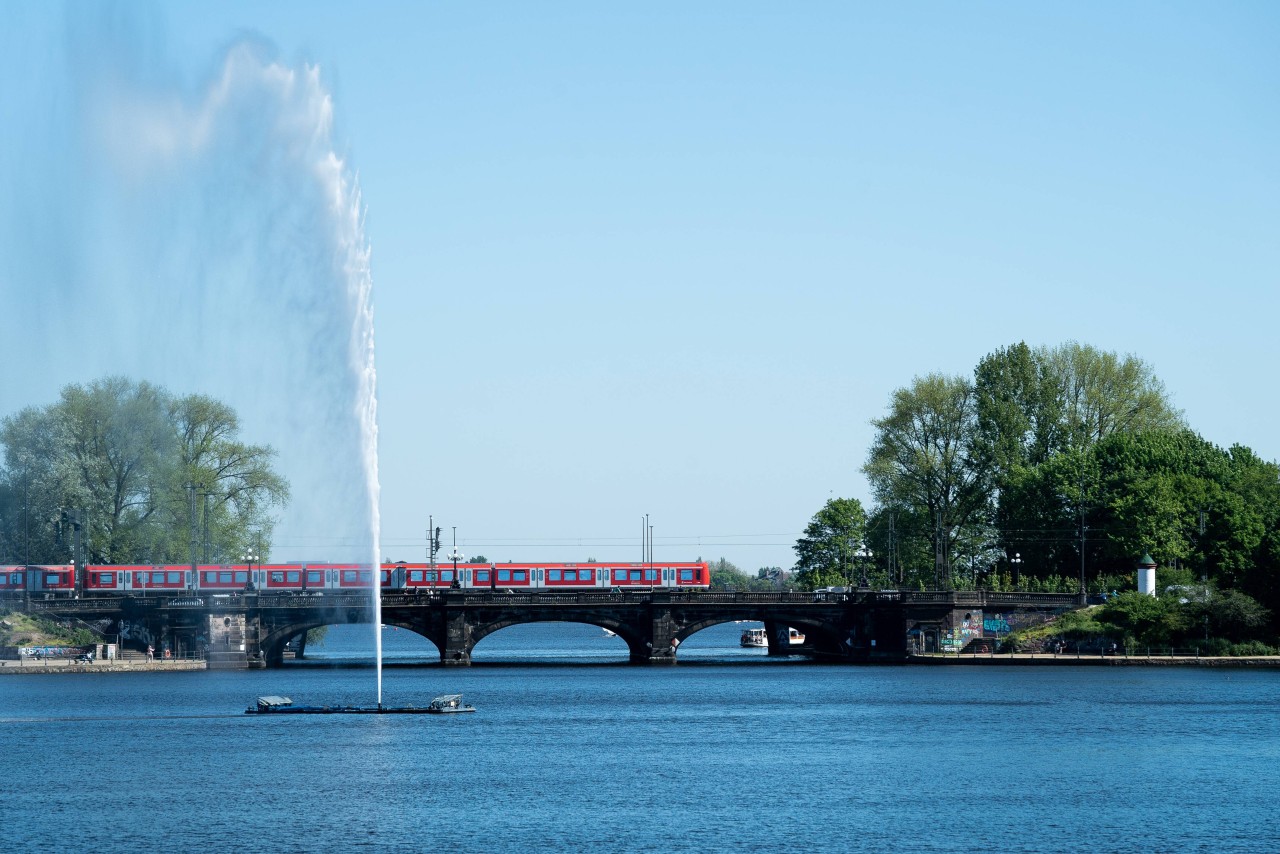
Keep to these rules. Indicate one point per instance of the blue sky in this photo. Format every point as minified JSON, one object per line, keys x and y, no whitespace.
{"x":672,"y":258}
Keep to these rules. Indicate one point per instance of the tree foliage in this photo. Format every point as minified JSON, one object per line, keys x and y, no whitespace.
{"x":925,"y":457}
{"x":727,"y":576}
{"x":826,"y":554}
{"x":146,"y":474}
{"x":1053,"y":462}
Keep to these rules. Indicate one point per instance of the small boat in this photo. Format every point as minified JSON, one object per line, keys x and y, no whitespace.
{"x":610,"y":634}
{"x":758,"y":638}
{"x":276,"y":705}
{"x":449,"y":704}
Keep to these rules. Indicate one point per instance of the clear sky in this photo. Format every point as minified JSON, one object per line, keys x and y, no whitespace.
{"x":672,"y":258}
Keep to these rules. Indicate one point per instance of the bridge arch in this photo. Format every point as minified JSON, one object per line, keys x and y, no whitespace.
{"x":635,"y":640}
{"x":275,"y":637}
{"x":820,"y":635}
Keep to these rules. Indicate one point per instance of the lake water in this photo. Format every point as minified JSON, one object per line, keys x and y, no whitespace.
{"x":731,"y":751}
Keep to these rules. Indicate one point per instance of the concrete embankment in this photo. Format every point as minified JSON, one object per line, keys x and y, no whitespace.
{"x":1068,"y":660}
{"x":61,"y":665}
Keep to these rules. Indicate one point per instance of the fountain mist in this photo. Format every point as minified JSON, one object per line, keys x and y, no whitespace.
{"x":208,"y":238}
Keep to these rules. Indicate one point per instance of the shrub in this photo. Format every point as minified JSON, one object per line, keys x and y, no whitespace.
{"x":1250,"y":648}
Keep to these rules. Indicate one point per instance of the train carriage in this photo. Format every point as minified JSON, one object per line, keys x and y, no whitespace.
{"x":422,"y":576}
{"x":231,"y":578}
{"x":572,"y":576}
{"x":13,"y":579}
{"x":44,"y":580}
{"x":157,"y":579}
{"x":351,"y":576}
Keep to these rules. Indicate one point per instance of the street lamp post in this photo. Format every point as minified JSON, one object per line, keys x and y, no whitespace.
{"x":250,"y":557}
{"x":866,"y":555}
{"x":455,"y":555}
{"x":1016,"y":560}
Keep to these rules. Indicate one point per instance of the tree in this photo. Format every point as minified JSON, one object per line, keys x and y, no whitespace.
{"x":1040,"y":413}
{"x":234,"y":480}
{"x":924,"y":457}
{"x":131,"y":461}
{"x":1103,"y":393}
{"x":1019,"y":411}
{"x":726,"y":576}
{"x":825,"y":554}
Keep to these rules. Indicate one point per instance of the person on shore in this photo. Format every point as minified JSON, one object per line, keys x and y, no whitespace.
{"x":151,"y":653}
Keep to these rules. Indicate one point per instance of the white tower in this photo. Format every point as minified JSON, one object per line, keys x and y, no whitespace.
{"x":1147,"y":575}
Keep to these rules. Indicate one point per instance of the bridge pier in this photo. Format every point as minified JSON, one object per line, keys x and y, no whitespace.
{"x":458,"y":641}
{"x":659,"y":634}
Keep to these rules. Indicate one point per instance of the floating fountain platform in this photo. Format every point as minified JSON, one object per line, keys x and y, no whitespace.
{"x":445,"y":704}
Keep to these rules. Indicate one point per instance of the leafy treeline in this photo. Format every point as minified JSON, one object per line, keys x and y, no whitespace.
{"x":727,"y":576}
{"x":143,"y":474}
{"x":1048,"y":465}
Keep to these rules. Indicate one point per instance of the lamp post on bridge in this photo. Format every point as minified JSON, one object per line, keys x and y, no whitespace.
{"x":1016,"y":560}
{"x":250,"y":557}
{"x":865,"y":555}
{"x":455,"y":556}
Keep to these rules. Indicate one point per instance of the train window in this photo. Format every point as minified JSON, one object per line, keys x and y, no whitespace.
{"x":635,"y":575}
{"x":519,"y":575}
{"x":446,"y":575}
{"x":432,"y":576}
{"x":349,"y":576}
{"x":504,"y":575}
{"x":277,"y":577}
{"x":293,"y":576}
{"x":554,"y":575}
{"x":415,"y":575}
{"x":315,"y":576}
{"x":482,"y":575}
{"x":619,"y":575}
{"x":686,"y":575}
{"x":175,"y":577}
{"x":108,"y":578}
{"x":224,"y":577}
{"x":651,"y":575}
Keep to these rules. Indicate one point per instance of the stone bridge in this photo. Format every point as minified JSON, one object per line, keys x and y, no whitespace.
{"x":858,"y":626}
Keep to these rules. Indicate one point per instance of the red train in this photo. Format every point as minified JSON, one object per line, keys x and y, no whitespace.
{"x":307,"y":577}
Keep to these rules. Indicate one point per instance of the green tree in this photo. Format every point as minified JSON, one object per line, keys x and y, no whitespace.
{"x":925,"y":457}
{"x":727,"y":576}
{"x":137,"y":466}
{"x":229,"y":481}
{"x":826,"y":554}
{"x":1103,"y":393}
{"x":1049,"y":407}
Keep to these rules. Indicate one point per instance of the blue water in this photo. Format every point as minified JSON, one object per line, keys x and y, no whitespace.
{"x":736,"y":752}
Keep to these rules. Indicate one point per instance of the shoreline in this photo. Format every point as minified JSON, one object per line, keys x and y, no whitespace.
{"x":1068,"y":660}
{"x":57,"y":665}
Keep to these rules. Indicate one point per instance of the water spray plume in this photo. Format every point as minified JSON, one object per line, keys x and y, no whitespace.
{"x":212,"y":240}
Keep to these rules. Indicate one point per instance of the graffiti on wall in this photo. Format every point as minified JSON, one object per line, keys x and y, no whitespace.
{"x":1002,"y":623}
{"x":136,"y":632}
{"x":970,"y":626}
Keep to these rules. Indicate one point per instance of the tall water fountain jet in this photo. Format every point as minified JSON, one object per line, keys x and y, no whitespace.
{"x":206,"y":237}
